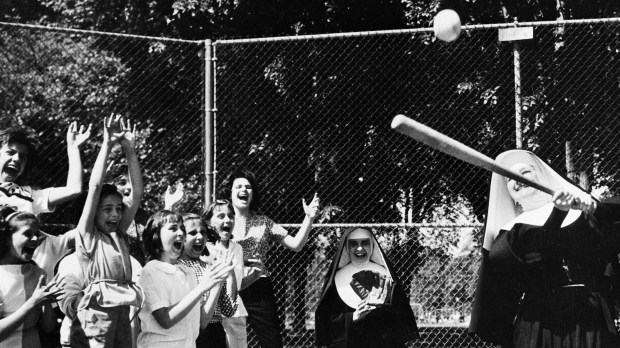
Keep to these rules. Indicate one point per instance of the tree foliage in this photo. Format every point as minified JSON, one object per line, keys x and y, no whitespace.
{"x":327,"y":104}
{"x":299,"y":86}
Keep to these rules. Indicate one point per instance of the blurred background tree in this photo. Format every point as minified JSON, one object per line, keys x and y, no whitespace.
{"x":326,"y":107}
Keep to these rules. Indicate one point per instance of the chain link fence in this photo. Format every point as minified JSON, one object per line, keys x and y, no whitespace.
{"x":440,"y":281}
{"x":52,"y":77}
{"x":311,"y":114}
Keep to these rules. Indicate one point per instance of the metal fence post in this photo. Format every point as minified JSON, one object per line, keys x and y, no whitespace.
{"x":208,"y":123}
{"x":517,"y":68}
{"x":284,"y":96}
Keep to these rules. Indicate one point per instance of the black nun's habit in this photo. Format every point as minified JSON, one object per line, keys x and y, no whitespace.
{"x":545,"y":278}
{"x":389,"y":324}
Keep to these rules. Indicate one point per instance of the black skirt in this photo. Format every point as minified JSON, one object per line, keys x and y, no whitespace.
{"x":565,"y":317}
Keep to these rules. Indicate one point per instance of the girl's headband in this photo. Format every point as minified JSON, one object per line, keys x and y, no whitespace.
{"x":12,"y":215}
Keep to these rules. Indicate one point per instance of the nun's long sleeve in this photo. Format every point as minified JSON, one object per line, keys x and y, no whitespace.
{"x":525,"y":243}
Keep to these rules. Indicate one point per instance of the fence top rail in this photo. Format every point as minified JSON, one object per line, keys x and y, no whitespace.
{"x":93,"y":32}
{"x":315,"y":36}
{"x":414,"y":30}
{"x":371,"y":225}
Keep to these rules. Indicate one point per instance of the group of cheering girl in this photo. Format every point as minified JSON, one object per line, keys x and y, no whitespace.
{"x":196,"y":288}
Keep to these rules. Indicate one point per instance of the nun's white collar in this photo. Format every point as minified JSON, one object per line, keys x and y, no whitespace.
{"x":345,"y":275}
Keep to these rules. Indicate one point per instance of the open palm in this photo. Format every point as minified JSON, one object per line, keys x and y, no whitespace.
{"x":77,"y":137}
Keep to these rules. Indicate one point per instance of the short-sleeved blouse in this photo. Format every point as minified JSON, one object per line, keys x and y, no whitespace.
{"x":259,"y":232}
{"x":25,"y":198}
{"x":51,"y":249}
{"x":165,"y":284}
{"x":17,"y":283}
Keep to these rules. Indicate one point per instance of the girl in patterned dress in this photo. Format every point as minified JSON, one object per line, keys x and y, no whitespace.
{"x":255,"y":233}
{"x":217,"y":302}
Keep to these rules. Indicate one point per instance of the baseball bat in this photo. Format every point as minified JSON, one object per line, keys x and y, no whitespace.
{"x":445,"y":144}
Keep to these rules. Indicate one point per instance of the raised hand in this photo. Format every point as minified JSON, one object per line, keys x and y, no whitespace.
{"x":113,"y":129}
{"x":170,"y":199}
{"x":215,"y":275}
{"x":77,"y":137}
{"x":128,"y":141}
{"x":44,"y":294}
{"x":311,"y":209}
{"x":229,"y":259}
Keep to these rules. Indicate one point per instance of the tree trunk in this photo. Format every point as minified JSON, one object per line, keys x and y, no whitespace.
{"x":570,"y":166}
{"x":576,"y":175}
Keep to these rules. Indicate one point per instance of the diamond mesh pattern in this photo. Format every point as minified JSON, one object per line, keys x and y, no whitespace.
{"x":51,"y":78}
{"x":312,"y":114}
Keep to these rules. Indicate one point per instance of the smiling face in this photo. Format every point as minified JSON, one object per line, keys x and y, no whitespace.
{"x":109,"y":213}
{"x":123,"y":186}
{"x":223,"y":220}
{"x":24,"y":241}
{"x":518,"y":191}
{"x":13,"y":160}
{"x":195,"y":239}
{"x":359,"y":247}
{"x":172,"y":237}
{"x":241,"y":194}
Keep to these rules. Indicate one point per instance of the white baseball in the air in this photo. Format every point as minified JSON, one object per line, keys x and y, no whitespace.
{"x":447,"y":25}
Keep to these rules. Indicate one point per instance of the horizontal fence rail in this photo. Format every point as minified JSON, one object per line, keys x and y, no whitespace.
{"x":311,"y":114}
